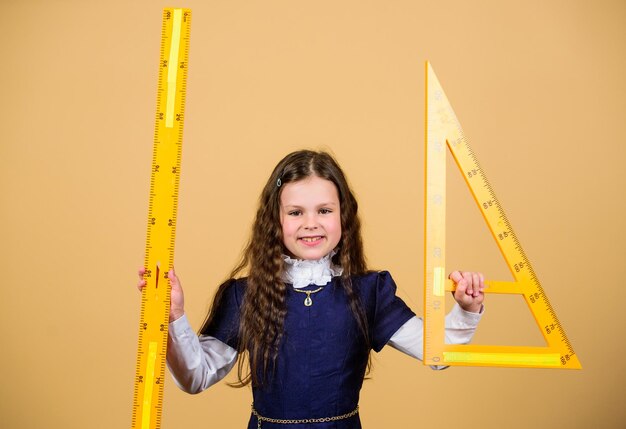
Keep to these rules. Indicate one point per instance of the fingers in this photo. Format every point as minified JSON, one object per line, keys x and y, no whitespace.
{"x":475,"y":284}
{"x":171,"y":275}
{"x":469,"y":283}
{"x":141,"y":283}
{"x":469,"y":293}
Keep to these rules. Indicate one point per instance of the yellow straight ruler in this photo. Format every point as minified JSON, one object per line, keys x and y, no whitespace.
{"x":443,"y":132}
{"x":159,"y":257}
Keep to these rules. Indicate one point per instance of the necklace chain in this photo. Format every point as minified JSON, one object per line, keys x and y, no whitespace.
{"x":308,"y":301}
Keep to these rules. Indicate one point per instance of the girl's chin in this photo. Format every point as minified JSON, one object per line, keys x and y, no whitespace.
{"x":308,"y":253}
{"x":310,"y":256}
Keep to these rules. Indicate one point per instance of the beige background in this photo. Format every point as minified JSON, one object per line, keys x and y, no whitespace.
{"x":538,"y":86}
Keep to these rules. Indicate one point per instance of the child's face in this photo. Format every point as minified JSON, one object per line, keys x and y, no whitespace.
{"x":310,"y":217}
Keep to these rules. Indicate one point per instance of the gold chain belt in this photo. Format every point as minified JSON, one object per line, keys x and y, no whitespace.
{"x":261,"y":419}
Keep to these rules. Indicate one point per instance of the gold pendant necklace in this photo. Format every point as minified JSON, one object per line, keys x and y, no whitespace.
{"x":308,"y":301}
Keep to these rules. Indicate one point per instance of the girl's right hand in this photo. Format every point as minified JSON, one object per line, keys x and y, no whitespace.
{"x":177,"y":299}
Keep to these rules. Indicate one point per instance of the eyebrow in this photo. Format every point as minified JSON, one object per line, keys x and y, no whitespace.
{"x":295,"y":206}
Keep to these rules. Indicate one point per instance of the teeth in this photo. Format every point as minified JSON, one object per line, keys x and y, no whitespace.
{"x":310,"y":239}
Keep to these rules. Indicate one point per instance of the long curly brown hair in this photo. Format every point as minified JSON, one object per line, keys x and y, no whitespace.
{"x":264,"y":308}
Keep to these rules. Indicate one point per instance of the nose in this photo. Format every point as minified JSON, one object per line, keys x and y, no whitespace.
{"x":310,"y":222}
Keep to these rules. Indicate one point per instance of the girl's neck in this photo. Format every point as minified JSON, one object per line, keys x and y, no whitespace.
{"x":301,"y":273}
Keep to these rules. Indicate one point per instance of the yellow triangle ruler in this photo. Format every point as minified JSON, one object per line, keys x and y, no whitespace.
{"x":443,"y":132}
{"x":165,"y":174}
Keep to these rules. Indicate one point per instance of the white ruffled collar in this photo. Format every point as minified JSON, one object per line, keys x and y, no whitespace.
{"x":302,"y":273}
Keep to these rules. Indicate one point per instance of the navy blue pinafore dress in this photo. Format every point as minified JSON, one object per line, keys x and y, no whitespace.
{"x":323,"y":356}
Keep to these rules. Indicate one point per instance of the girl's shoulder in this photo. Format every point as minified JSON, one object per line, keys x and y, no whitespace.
{"x":231,"y":292}
{"x":373,"y":277}
{"x":374,"y":283}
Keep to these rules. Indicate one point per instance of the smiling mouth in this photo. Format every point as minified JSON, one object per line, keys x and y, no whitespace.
{"x":311,"y":239}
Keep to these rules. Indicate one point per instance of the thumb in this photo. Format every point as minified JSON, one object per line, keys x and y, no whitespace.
{"x":461,"y":283}
{"x":174,"y":281}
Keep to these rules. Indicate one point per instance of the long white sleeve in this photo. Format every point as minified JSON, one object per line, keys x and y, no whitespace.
{"x":460,"y":327}
{"x":196,"y":362}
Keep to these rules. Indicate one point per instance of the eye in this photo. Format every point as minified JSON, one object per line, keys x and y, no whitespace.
{"x":295,"y":213}
{"x":325,"y":211}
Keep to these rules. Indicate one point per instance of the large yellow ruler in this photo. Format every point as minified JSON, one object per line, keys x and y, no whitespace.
{"x":443,"y":132}
{"x":159,"y":258}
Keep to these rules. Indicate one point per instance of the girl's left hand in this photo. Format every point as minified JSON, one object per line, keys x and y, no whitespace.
{"x":469,"y":291}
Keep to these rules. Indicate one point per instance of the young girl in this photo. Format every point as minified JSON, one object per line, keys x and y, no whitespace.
{"x":302,"y":324}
